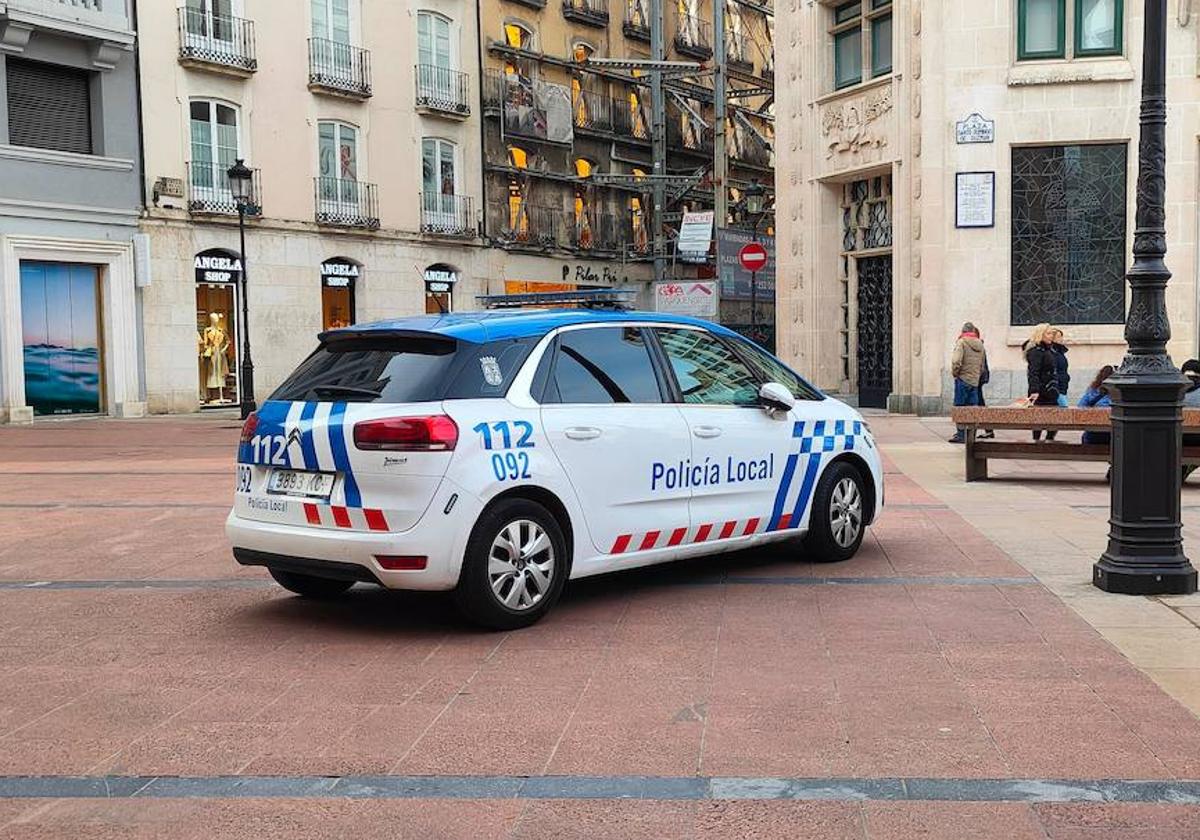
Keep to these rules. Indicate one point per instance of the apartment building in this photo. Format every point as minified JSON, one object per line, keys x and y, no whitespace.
{"x":951,"y":162}
{"x":360,"y":121}
{"x":558,"y":127}
{"x":69,"y":203}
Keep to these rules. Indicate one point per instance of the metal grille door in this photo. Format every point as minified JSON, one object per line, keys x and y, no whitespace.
{"x":874,"y":331}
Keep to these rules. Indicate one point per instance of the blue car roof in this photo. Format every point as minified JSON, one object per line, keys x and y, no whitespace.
{"x":497,"y":325}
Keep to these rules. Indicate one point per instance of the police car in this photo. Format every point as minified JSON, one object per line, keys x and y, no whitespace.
{"x":500,"y":453}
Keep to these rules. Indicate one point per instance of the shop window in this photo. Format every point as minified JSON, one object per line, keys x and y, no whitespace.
{"x":439,"y":286}
{"x":1068,"y":234}
{"x":862,"y":38}
{"x":218,"y":273}
{"x":339,"y":279}
{"x":60,"y":325}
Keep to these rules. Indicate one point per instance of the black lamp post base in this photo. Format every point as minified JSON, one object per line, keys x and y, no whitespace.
{"x":1175,"y":577}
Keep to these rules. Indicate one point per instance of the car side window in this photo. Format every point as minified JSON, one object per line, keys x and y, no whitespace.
{"x":603,"y":365}
{"x":709,"y":373}
{"x":770,"y":369}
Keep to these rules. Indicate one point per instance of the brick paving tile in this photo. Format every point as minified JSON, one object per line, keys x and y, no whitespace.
{"x":960,"y":821}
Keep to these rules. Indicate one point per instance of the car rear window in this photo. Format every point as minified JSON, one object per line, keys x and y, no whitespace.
{"x":368,"y":369}
{"x":391,"y":369}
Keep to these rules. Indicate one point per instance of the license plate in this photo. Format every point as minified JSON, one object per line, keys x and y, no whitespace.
{"x":313,"y":485}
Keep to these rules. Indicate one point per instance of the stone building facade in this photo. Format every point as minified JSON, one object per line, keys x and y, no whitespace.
{"x":69,"y":205}
{"x":985,"y":172}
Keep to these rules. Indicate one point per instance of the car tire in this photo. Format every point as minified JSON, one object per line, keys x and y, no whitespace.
{"x":310,"y":586}
{"x":514,"y":568}
{"x":838,"y":519}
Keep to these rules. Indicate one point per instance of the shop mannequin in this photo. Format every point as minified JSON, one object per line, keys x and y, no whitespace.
{"x":214,"y":358}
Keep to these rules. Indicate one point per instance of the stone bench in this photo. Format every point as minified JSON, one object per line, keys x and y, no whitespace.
{"x":1049,"y":418}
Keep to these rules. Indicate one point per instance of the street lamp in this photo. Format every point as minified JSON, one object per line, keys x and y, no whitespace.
{"x":241,"y":184}
{"x":752,"y":203}
{"x":1145,"y":546}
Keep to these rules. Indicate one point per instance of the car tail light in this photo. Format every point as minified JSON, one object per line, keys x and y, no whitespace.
{"x":249,"y":427}
{"x":401,"y":562}
{"x":407,"y":434}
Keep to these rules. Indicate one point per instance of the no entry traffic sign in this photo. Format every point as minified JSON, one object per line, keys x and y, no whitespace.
{"x":753,"y":256}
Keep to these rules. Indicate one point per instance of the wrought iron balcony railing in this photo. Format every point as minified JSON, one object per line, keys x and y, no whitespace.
{"x":737,"y":50}
{"x":637,"y":24}
{"x":216,"y":40}
{"x":596,"y":232}
{"x":447,"y":215}
{"x":589,"y":12}
{"x":694,"y":37}
{"x":342,"y":202}
{"x":443,"y":90}
{"x":340,"y":69}
{"x":209,"y":192}
{"x":525,"y":226}
{"x":628,"y":118}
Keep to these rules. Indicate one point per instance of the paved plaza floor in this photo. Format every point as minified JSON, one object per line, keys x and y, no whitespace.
{"x":959,"y":679}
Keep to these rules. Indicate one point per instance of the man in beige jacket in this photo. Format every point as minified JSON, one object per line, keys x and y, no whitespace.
{"x":967,"y":366}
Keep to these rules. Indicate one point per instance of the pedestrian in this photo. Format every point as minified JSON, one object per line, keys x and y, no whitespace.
{"x":1041,"y":371}
{"x":967,"y":366}
{"x":1191,"y":397}
{"x":1062,"y":376}
{"x":1096,"y":396}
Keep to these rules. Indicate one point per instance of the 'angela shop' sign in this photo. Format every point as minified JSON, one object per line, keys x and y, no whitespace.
{"x":217,"y":268}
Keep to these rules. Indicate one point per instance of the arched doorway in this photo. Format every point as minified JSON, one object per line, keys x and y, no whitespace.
{"x":218,"y":289}
{"x":439,"y":288}
{"x":339,"y":277}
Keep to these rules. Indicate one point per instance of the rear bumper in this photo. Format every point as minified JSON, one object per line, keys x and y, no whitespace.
{"x":350,"y":555}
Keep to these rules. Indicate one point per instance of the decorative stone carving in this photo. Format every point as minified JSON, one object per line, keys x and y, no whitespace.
{"x":15,"y":36}
{"x":848,"y":126}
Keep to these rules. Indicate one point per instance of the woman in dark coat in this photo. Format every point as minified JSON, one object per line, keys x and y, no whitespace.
{"x":1062,"y":374}
{"x":1041,"y":371}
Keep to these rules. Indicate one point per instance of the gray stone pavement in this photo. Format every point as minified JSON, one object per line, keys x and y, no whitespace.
{"x":931,"y":687}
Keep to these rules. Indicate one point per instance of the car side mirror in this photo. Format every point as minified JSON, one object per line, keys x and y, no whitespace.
{"x":775,"y":397}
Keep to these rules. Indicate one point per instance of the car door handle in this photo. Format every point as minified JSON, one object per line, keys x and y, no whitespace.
{"x":582,"y":433}
{"x":706,"y":431}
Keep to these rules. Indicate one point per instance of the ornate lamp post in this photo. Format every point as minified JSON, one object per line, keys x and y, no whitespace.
{"x":1145,"y":547}
{"x":241,"y":184}
{"x":753,"y":199}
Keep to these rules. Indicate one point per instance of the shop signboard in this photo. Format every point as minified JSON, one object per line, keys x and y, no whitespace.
{"x":735,"y":280}
{"x":217,"y":267}
{"x":695,"y":298}
{"x":338,"y":274}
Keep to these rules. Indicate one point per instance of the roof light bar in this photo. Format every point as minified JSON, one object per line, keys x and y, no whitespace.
{"x":591,"y":299}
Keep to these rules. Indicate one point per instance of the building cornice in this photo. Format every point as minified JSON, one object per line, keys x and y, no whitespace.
{"x":29,"y":154}
{"x":54,"y":211}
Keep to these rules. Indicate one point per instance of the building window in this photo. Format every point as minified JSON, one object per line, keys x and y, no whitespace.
{"x":862,"y":38}
{"x":1068,"y":234}
{"x":433,"y":41}
{"x":637,"y":218}
{"x":584,"y":235}
{"x":581,"y":52}
{"x":1098,"y":27}
{"x":49,"y":107}
{"x":1042,"y":27}
{"x":337,"y":166}
{"x":441,"y":211}
{"x":215,"y":147}
{"x":331,"y":20}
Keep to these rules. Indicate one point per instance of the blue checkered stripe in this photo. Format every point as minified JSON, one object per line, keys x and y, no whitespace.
{"x":828,"y":436}
{"x":824,"y":436}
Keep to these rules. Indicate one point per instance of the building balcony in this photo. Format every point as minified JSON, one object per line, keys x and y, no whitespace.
{"x":693,"y":139}
{"x":533,"y":4}
{"x":636,"y":25}
{"x":448,"y":215}
{"x":587,"y":12}
{"x":694,"y":37}
{"x":342,"y":202}
{"x":441,"y":90}
{"x":737,"y":52}
{"x":525,"y":227}
{"x":213,"y":42}
{"x":208,"y":192}
{"x":596,"y":232}
{"x":338,"y":69}
{"x":621,"y":118}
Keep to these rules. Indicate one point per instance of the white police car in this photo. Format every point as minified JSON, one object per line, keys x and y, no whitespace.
{"x":499,"y":453}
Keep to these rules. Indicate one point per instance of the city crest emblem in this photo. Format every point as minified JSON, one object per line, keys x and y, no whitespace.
{"x":491,"y":371}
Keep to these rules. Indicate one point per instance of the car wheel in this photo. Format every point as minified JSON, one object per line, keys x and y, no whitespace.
{"x":310,"y":586}
{"x":514,"y":568}
{"x":838,"y":521}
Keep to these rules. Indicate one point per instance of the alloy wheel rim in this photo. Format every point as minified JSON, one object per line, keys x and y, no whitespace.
{"x":845,"y":512}
{"x":521,"y":565}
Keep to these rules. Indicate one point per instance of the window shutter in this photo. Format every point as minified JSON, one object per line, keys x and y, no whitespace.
{"x":49,"y":107}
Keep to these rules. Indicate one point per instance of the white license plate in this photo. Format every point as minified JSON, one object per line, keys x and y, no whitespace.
{"x":313,"y":485}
